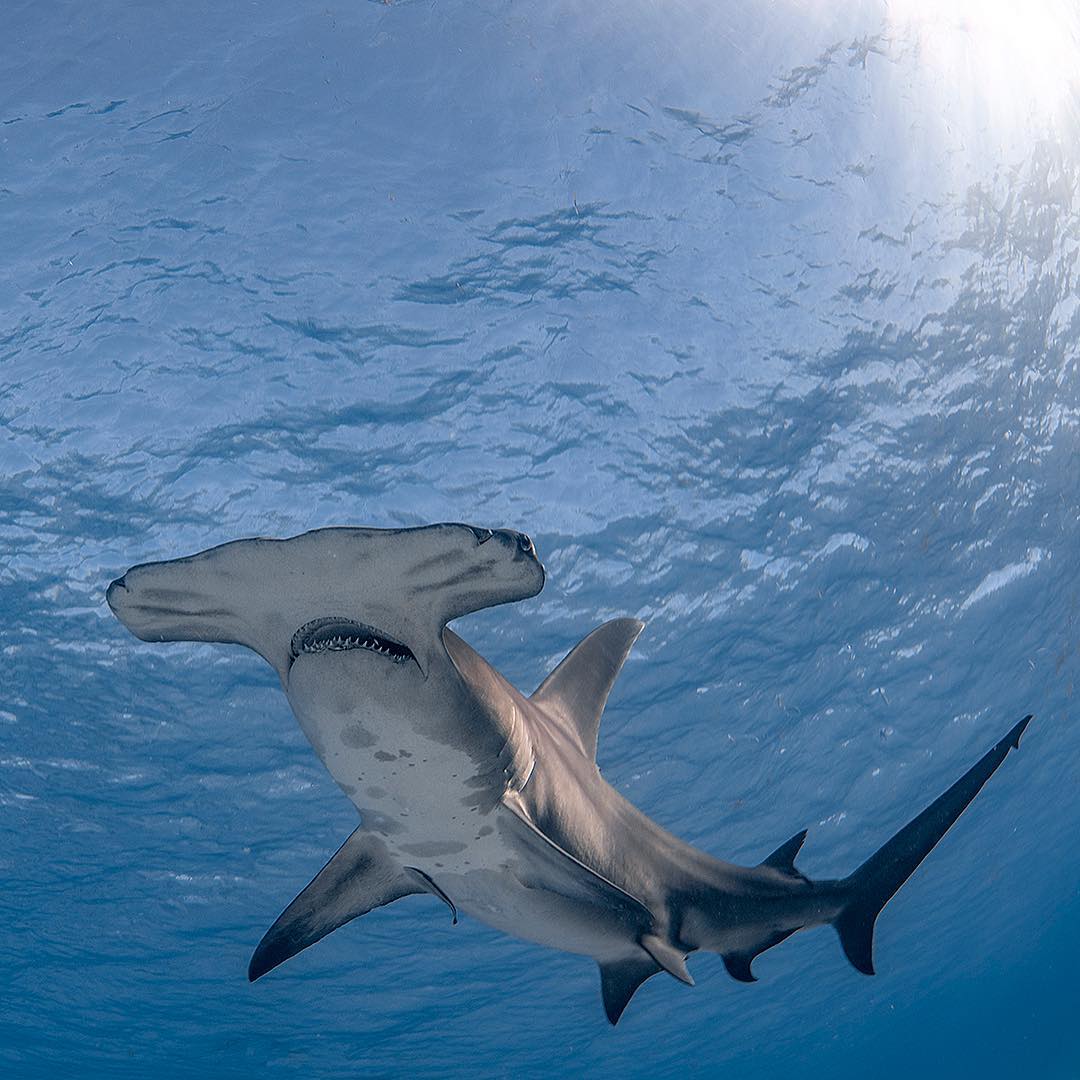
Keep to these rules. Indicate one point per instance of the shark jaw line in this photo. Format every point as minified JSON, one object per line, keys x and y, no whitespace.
{"x":339,"y":634}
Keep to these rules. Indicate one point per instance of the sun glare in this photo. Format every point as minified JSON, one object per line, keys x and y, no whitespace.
{"x":1018,"y":62}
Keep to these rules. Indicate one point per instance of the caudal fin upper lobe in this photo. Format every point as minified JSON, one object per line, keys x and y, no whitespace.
{"x":875,"y":883}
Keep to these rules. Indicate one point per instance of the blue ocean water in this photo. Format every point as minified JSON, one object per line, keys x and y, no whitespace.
{"x":761,"y":319}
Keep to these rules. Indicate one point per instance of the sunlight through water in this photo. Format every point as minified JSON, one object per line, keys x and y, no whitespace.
{"x":996,"y":62}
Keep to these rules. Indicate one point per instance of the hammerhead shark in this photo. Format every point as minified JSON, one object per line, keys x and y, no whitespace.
{"x":470,"y":791}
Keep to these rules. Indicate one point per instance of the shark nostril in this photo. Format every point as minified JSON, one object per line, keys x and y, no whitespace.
{"x":525,"y":544}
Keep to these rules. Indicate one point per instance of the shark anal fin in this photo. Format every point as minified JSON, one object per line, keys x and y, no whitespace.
{"x":428,"y":885}
{"x":619,"y":980}
{"x":875,"y":883}
{"x":738,"y":967}
{"x":738,"y":963}
{"x":783,"y":858}
{"x":361,"y":876}
{"x":577,"y":690}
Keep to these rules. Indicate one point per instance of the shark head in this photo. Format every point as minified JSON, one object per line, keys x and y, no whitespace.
{"x":389,"y":591}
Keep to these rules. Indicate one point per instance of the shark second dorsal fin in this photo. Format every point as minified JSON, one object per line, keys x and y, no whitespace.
{"x":577,"y":690}
{"x":783,"y":858}
{"x":361,"y":876}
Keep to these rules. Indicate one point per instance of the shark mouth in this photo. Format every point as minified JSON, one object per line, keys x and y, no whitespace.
{"x":342,"y":635}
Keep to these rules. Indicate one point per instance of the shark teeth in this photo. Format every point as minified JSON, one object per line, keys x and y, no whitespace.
{"x":339,"y":634}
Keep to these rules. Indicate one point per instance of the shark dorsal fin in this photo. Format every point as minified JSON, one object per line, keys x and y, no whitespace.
{"x":577,"y":690}
{"x":783,"y":858}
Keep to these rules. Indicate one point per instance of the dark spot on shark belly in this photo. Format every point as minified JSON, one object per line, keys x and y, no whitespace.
{"x":483,"y":801}
{"x":431,"y":849}
{"x":358,"y":737}
{"x":484,"y":830}
{"x":382,"y":755}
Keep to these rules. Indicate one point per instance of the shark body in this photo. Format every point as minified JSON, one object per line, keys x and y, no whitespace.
{"x":471,"y":791}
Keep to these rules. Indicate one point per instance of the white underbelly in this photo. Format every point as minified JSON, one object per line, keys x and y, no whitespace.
{"x":424,"y":798}
{"x":439,"y":809}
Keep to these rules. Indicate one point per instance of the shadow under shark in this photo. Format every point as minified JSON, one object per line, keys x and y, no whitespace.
{"x":470,"y":791}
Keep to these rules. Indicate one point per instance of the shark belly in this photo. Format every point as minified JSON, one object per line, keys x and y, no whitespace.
{"x":499,"y":899}
{"x":425,"y":798}
{"x":438,"y":809}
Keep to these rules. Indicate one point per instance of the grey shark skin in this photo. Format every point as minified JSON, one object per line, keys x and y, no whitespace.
{"x":468,"y":790}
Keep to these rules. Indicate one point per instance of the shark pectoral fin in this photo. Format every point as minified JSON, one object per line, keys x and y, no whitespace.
{"x":671,"y":959}
{"x":619,"y":980}
{"x":548,"y":866}
{"x":577,"y":690}
{"x":427,"y":885}
{"x":361,"y":876}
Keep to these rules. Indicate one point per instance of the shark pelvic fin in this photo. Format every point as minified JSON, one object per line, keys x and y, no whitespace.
{"x":619,"y":980}
{"x":671,"y":959}
{"x":361,"y":876}
{"x":783,"y":858}
{"x":875,"y":883}
{"x":577,"y":690}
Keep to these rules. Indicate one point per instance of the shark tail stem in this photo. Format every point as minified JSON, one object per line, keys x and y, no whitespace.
{"x":875,"y":883}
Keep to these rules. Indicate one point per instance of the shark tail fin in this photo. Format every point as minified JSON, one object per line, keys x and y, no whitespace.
{"x":875,"y":883}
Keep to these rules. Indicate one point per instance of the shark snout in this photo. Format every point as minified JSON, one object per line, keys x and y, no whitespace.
{"x":127,"y":604}
{"x":113,"y":595}
{"x":121,"y":599}
{"x":160,"y":603}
